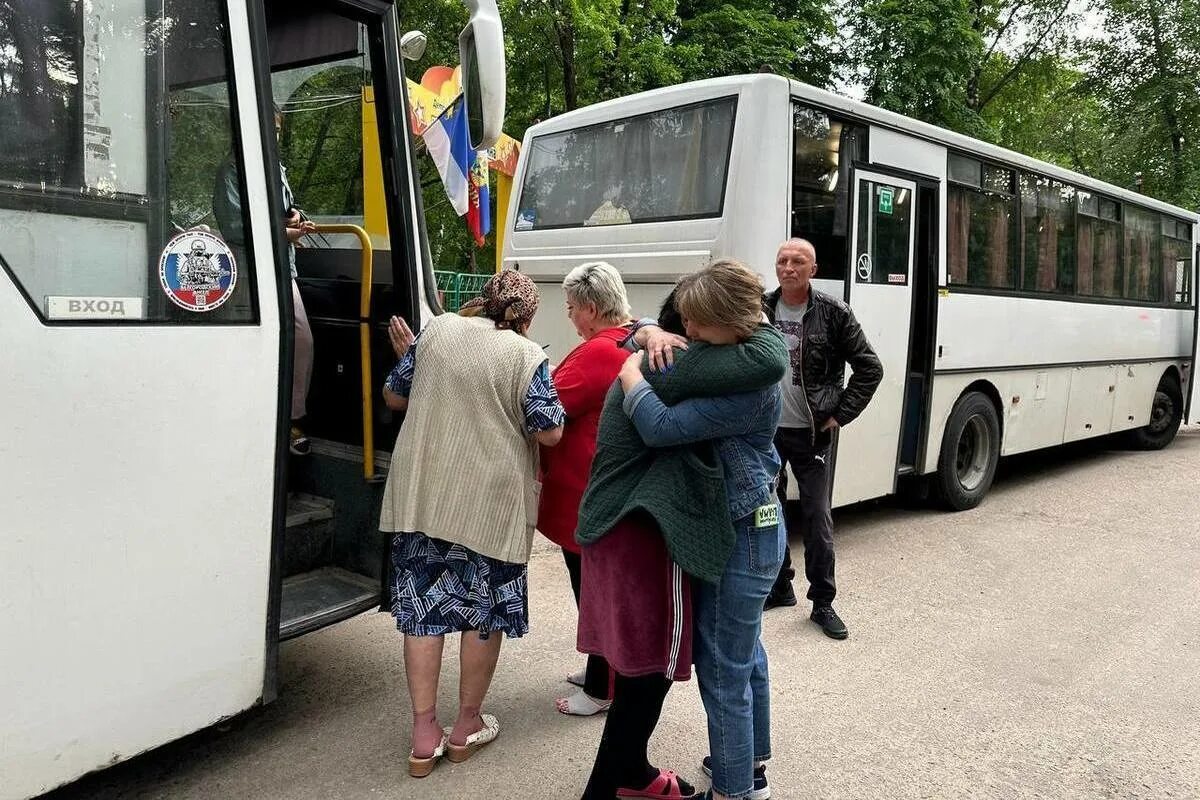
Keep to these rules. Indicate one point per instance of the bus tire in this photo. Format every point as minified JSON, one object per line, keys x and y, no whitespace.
{"x":970,"y":453}
{"x":1166,"y":415}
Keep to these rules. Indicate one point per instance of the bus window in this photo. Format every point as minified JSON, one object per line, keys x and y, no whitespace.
{"x":1099,"y":224}
{"x":668,"y":165}
{"x":322,"y":141}
{"x":107,"y":167}
{"x":1143,"y":255}
{"x":982,"y":225}
{"x":41,"y":109}
{"x":884,"y":233}
{"x":1177,"y":261}
{"x":1048,"y":228}
{"x":823,"y":150}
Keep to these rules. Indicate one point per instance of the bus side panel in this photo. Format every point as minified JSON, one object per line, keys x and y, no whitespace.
{"x":1001,"y":341}
{"x":134,"y":553}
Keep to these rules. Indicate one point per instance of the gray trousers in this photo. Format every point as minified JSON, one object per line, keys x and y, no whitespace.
{"x":302,"y":358}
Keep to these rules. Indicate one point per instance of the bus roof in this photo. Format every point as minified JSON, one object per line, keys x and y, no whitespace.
{"x":697,"y":91}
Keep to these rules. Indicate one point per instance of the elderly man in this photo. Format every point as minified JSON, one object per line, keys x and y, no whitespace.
{"x":822,"y":336}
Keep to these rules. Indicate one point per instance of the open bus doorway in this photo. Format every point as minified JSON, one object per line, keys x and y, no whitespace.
{"x":337,"y":82}
{"x":336,"y":95}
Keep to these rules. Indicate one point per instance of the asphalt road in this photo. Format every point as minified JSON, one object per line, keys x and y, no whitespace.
{"x":1046,"y":644}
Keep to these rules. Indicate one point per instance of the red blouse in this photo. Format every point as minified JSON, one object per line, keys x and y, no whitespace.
{"x":582,"y":380}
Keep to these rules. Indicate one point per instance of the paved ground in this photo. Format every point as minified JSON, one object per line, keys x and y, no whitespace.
{"x":1044,"y":645}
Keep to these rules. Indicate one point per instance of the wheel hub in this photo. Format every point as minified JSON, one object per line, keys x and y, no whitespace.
{"x":974,"y":446}
{"x":1162,"y":412}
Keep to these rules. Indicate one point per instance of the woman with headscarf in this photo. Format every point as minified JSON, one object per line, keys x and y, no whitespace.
{"x":479,"y":401}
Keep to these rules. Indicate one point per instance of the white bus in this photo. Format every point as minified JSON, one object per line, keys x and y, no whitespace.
{"x":1015,"y":305}
{"x":156,"y":540}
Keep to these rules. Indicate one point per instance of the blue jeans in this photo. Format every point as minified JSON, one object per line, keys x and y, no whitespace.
{"x":731,"y":664}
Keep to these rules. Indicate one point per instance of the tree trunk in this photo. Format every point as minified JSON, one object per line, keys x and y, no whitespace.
{"x":973,"y":81}
{"x":35,"y":94}
{"x":314,"y":157}
{"x":612,"y":70}
{"x":1167,"y":100}
{"x":566,"y":45}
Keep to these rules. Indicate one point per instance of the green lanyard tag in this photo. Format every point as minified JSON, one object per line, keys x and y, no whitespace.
{"x":766,"y":516}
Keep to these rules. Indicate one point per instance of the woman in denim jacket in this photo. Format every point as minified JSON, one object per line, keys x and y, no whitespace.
{"x":719,"y":305}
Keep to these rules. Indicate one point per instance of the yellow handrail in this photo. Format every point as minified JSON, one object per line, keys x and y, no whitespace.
{"x":364,"y":333}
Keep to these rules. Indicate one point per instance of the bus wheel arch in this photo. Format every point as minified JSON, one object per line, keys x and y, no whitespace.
{"x":971,"y":446}
{"x":1166,"y":414}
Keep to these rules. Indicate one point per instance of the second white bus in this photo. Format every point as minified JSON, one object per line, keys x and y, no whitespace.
{"x":1015,"y":305}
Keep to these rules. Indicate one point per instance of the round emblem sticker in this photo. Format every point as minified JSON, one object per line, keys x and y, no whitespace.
{"x":197,"y":271}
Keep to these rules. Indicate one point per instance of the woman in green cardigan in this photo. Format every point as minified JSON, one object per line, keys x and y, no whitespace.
{"x":679,"y":453}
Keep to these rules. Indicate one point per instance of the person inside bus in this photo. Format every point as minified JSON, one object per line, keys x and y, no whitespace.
{"x":680,"y":514}
{"x":598,"y":307}
{"x":227,"y":209}
{"x":823,"y":336}
{"x":479,"y":400}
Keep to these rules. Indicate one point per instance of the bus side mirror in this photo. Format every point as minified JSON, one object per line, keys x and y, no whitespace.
{"x":481,"y":53}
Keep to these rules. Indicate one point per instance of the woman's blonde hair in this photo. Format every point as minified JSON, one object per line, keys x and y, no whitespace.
{"x":726,"y":294}
{"x":599,"y":284}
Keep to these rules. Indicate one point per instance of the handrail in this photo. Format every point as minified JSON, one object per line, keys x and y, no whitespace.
{"x":364,"y":333}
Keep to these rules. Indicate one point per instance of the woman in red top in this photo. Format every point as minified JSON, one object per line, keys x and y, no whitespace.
{"x":599,"y":308}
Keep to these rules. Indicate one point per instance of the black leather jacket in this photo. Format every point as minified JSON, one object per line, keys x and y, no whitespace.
{"x":833,"y":338}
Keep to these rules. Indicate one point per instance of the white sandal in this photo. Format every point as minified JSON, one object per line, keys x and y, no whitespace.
{"x":475,"y":742}
{"x":421,"y":767}
{"x":582,"y":704}
{"x":577,"y":678}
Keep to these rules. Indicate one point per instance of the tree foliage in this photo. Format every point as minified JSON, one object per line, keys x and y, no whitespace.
{"x":1146,"y":72}
{"x":1110,"y":88}
{"x":790,"y":37}
{"x":916,"y":57}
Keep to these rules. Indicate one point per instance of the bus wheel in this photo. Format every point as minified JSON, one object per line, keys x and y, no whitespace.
{"x":970,"y":452}
{"x":1166,"y":415}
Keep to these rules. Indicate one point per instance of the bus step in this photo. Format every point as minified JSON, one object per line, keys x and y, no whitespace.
{"x":304,"y":508}
{"x":322,"y":597}
{"x":308,"y":540}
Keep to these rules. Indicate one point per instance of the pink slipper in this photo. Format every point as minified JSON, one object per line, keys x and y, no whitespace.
{"x":664,"y":787}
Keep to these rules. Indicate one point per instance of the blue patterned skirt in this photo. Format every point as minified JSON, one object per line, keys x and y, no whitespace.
{"x":440,"y":588}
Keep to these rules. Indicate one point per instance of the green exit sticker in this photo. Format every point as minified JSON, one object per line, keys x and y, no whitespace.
{"x":885,"y":199}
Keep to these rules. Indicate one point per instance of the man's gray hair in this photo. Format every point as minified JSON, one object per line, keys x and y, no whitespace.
{"x":599,"y":284}
{"x":796,"y":240}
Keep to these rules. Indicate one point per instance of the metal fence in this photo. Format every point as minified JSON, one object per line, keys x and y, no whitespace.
{"x":456,"y":288}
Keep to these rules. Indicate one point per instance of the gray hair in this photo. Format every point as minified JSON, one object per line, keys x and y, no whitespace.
{"x":599,"y":284}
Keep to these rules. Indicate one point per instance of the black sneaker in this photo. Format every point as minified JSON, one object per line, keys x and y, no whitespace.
{"x":761,"y":790}
{"x":780,"y":598}
{"x":829,"y":621}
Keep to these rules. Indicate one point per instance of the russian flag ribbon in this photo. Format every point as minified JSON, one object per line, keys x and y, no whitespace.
{"x":449,"y":143}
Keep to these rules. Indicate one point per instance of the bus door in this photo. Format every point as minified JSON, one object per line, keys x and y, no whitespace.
{"x":345,"y":152}
{"x":141,"y":352}
{"x":1192,"y":411}
{"x":340,"y":162}
{"x":879,"y":289}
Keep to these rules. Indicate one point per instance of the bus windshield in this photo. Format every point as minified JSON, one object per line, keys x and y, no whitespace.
{"x":666,"y":165}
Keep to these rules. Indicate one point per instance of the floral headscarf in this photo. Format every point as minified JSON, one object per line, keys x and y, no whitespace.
{"x":509,"y":299}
